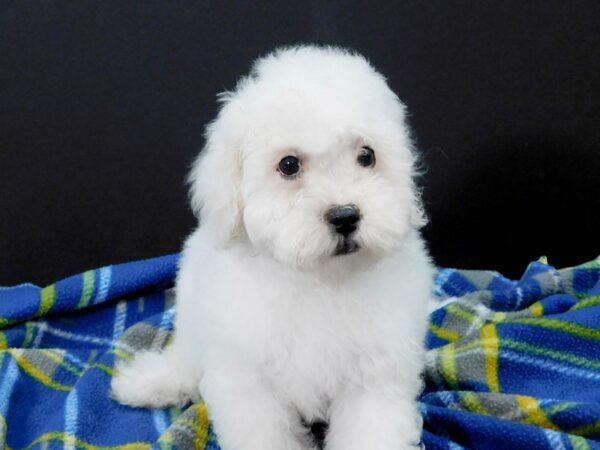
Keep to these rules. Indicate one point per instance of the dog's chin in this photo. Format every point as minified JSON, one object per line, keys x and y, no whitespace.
{"x":346,"y":246}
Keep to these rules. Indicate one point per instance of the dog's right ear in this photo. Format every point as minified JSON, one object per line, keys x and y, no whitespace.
{"x":216,"y":175}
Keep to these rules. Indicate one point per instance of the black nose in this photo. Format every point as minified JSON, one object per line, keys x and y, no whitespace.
{"x":344,"y":218}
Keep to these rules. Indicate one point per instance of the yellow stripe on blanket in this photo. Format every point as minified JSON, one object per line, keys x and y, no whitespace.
{"x":448,"y":365}
{"x":35,"y":372}
{"x":58,"y":358}
{"x":537,"y":309}
{"x":47,"y":299}
{"x":473,"y":404}
{"x":533,"y":413}
{"x":444,"y":333}
{"x":457,"y":311}
{"x":3,"y":426}
{"x":489,"y":341}
{"x":202,"y":430}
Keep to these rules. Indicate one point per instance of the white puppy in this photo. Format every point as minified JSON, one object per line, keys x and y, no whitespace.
{"x":303,"y":295}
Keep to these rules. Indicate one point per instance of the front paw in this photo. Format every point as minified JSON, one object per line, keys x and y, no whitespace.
{"x":154,"y":380}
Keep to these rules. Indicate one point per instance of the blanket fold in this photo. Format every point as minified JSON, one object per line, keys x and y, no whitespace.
{"x":511,"y":364}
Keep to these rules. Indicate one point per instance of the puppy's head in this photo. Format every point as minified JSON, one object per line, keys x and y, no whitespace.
{"x":308,"y":160}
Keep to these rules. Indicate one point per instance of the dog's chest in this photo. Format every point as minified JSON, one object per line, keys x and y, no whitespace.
{"x":313,"y":352}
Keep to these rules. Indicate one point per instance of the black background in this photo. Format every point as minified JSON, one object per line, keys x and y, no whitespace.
{"x":102,"y":107}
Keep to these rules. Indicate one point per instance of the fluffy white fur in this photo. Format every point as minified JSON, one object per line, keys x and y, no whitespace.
{"x":271,"y":327}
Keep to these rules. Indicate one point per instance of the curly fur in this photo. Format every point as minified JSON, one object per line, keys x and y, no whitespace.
{"x":272,"y":329}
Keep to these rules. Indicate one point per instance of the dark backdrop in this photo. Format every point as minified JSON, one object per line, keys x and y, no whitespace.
{"x":102,"y":105}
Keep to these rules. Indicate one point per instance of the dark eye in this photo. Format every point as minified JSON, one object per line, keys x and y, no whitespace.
{"x":366,"y":158}
{"x":289,"y":166}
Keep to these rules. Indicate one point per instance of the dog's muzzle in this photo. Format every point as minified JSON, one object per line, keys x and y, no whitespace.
{"x":344,"y":220}
{"x":346,"y":247}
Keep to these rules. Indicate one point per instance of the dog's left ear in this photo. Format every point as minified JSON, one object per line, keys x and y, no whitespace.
{"x":216,"y":175}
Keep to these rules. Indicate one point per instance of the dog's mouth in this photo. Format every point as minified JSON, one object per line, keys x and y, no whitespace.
{"x":345,"y":247}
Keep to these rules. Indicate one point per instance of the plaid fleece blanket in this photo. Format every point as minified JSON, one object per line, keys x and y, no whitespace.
{"x":512,"y":364}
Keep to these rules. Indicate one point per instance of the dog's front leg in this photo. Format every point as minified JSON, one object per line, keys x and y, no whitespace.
{"x":247,"y":415}
{"x":360,"y":420}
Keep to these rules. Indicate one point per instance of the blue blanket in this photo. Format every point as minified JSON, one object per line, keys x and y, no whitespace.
{"x":512,"y":364}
